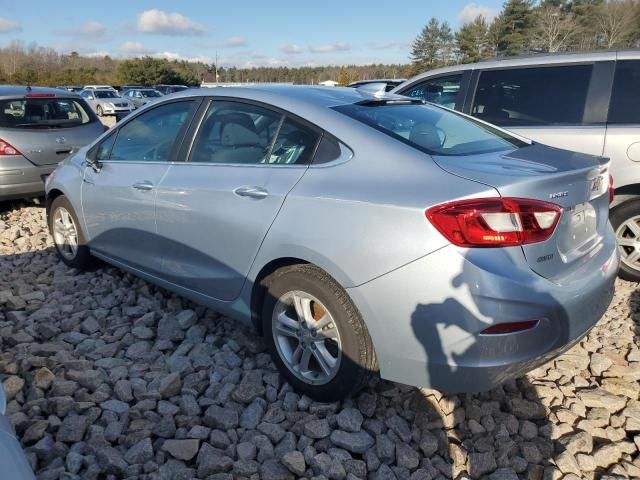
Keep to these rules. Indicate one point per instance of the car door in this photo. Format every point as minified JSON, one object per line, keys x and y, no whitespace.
{"x":119,"y":200}
{"x":215,"y":209}
{"x":622,"y":143}
{"x":557,"y":105}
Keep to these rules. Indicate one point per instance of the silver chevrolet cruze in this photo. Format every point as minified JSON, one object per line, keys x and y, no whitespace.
{"x":358,"y":231}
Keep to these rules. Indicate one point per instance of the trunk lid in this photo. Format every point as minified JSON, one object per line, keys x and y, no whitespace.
{"x":577,"y":182}
{"x":48,"y":146}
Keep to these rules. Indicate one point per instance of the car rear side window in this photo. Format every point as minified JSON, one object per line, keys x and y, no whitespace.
{"x":35,"y":113}
{"x":442,"y":90}
{"x":150,"y":136}
{"x":533,"y":96}
{"x":625,"y":98}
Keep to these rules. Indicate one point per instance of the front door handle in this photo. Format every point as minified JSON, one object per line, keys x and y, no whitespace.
{"x":253,"y":192}
{"x":145,"y":186}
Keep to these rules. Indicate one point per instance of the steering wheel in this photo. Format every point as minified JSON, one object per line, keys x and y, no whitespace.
{"x":159,"y":151}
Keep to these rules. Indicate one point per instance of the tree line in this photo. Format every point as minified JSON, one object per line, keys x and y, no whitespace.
{"x":522,"y":26}
{"x":525,"y":26}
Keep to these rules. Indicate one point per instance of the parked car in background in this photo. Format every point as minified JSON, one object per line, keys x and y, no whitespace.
{"x":355,"y":231}
{"x":141,"y":96}
{"x":123,"y":89}
{"x":13,"y":462}
{"x":71,"y":88}
{"x":39,"y":127}
{"x":99,"y":87}
{"x":107,"y":102}
{"x":391,"y":83}
{"x":586,"y":102}
{"x":169,"y":89}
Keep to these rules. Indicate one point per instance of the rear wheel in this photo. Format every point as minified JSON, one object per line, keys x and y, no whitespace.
{"x":315,"y":334}
{"x":99,"y":111}
{"x":67,"y":235}
{"x":625,"y":219}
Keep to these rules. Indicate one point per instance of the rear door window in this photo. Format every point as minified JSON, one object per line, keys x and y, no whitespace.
{"x":533,"y":96}
{"x":442,"y":90}
{"x":43,"y":113}
{"x":625,"y":98}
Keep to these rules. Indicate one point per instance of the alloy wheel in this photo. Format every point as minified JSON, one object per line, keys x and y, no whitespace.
{"x":65,"y":234}
{"x":628,"y":238}
{"x":306,"y":337}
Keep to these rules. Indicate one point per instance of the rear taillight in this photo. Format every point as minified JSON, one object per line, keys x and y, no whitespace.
{"x":7,"y":149}
{"x":495,"y":222}
{"x":612,"y":193}
{"x":510,"y":327}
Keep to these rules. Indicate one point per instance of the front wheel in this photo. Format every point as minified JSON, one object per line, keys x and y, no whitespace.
{"x":625,"y":219}
{"x":316,"y":336}
{"x":67,"y":235}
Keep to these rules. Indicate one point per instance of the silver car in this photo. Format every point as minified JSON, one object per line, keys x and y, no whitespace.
{"x":358,"y":232}
{"x":39,"y":127}
{"x":13,"y":463}
{"x":107,"y":101}
{"x":141,"y":96}
{"x":586,"y":102}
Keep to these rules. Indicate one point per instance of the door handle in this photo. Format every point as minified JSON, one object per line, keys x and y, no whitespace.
{"x":145,"y":186}
{"x":252,"y":192}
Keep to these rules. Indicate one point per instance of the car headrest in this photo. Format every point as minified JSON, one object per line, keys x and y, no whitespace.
{"x":425,"y":135}
{"x":235,"y":135}
{"x":33,"y":110}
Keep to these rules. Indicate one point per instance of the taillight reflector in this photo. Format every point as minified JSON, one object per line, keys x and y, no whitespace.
{"x":612,"y":192}
{"x":495,"y":222}
{"x":7,"y":149}
{"x":510,"y":327}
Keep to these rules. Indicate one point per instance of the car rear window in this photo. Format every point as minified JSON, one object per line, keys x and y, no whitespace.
{"x":432,"y":129}
{"x":43,"y":113}
{"x":105,"y":94}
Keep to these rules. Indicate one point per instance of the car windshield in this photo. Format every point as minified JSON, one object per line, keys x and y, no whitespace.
{"x":431,"y":129}
{"x":105,"y":94}
{"x":150,"y":93}
{"x":42,"y":113}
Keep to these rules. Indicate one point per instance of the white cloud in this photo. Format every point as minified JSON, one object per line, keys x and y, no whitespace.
{"x":290,"y":49}
{"x":7,"y":26}
{"x":157,"y":21}
{"x":235,"y":42}
{"x":334,"y":47}
{"x":97,"y":54}
{"x":177,"y":56}
{"x":92,"y":29}
{"x":389,"y":45}
{"x":135,"y":48}
{"x":471,"y":11}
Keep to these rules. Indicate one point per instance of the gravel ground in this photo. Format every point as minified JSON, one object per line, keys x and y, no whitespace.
{"x":110,"y":377}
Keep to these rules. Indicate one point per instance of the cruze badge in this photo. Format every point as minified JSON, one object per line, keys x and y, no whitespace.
{"x":558,"y":194}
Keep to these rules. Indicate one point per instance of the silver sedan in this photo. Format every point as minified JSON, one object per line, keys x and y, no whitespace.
{"x":107,"y":101}
{"x":358,"y":231}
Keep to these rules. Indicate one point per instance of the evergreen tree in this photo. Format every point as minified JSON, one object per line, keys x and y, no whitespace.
{"x":473,"y":40}
{"x":425,"y":48}
{"x":515,"y":27}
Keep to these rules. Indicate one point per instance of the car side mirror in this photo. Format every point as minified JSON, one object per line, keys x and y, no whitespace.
{"x":95,"y":164}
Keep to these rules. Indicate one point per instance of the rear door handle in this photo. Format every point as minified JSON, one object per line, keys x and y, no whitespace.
{"x":145,"y":186}
{"x":253,"y":192}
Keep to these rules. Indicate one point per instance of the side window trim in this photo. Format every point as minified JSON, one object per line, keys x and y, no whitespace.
{"x":173,"y":154}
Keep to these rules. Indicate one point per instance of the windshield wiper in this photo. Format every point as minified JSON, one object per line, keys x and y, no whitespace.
{"x":33,"y":125}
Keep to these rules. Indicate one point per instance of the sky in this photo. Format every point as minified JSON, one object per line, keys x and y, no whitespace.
{"x":243,"y":33}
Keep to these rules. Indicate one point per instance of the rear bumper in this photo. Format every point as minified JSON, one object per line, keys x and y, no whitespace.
{"x":21,"y":178}
{"x":13,"y":463}
{"x":425,"y":318}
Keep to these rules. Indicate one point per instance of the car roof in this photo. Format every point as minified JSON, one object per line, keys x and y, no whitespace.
{"x":21,"y":91}
{"x":532,"y":59}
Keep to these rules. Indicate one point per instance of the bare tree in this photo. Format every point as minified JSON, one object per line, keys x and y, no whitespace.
{"x":553,"y":28}
{"x":616,"y":22}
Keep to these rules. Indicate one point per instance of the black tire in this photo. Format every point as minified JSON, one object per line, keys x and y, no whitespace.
{"x":99,"y":111}
{"x":82,"y":259}
{"x":358,"y":362}
{"x":618,"y":216}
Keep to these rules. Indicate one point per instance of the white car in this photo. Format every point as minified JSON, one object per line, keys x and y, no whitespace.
{"x":106,"y":101}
